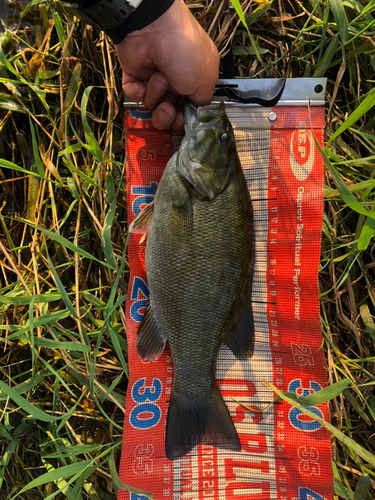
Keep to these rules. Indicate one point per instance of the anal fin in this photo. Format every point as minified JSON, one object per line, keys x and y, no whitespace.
{"x":150,"y":337}
{"x":241,"y":339}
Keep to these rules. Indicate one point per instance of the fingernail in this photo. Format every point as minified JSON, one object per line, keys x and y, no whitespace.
{"x":164,"y":117}
{"x":140,"y":91}
{"x":180,"y":121}
{"x":158,"y":85}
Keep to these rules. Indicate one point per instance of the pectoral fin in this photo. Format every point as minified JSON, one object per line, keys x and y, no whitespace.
{"x":151,"y":338}
{"x":141,"y":224}
{"x":182,"y":211}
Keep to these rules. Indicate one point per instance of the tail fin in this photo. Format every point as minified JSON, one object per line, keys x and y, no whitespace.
{"x":188,"y":426}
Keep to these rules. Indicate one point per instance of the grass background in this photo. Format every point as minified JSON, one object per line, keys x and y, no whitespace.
{"x":63,"y":275}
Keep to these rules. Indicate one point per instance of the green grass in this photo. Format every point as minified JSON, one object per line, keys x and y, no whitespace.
{"x":63,"y":351}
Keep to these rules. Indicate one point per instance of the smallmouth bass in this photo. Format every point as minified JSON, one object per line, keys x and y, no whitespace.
{"x":199,"y":263}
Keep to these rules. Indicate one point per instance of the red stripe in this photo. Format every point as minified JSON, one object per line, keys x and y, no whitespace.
{"x":295,"y":217}
{"x":143,"y":462}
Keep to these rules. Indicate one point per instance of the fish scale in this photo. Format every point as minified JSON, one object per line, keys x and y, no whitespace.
{"x":199,"y":258}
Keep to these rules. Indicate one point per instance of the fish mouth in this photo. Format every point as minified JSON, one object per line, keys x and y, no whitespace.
{"x":202,"y":114}
{"x":191,"y":121}
{"x":209,"y":113}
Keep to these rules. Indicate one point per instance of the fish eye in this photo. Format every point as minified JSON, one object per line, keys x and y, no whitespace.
{"x":223,"y":137}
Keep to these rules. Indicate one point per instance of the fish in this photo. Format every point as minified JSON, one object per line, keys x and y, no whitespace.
{"x":199,"y":265}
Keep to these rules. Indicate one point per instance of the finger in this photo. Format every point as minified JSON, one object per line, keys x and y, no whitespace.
{"x":140,"y":73}
{"x":173,"y":98}
{"x":134,"y":91}
{"x":134,"y":81}
{"x":164,"y":116}
{"x":133,"y":88}
{"x":203,"y":94}
{"x":156,"y":87}
{"x":179,"y":122}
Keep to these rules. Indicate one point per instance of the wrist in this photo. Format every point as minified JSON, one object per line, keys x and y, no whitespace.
{"x":175,"y":18}
{"x":147,"y":13}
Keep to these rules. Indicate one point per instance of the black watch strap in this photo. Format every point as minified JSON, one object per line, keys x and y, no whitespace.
{"x":103,"y":14}
{"x":118,"y":18}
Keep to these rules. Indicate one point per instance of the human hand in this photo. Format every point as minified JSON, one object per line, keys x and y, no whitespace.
{"x":171,"y":58}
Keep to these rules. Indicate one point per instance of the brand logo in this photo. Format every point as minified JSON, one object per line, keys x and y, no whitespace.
{"x":301,"y":153}
{"x":140,"y":114}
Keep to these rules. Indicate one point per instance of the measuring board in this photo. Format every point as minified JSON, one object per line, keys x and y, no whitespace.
{"x":285,"y":455}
